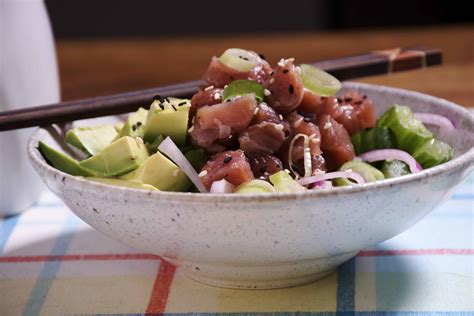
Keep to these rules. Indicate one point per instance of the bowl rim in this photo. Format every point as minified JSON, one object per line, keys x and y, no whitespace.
{"x":465,"y":159}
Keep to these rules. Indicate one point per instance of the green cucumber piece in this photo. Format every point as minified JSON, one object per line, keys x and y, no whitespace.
{"x":90,"y":140}
{"x":372,"y":139}
{"x":239,"y":59}
{"x":318,"y":81}
{"x":243,"y":87}
{"x":63,"y":162}
{"x":168,"y":119}
{"x":369,"y":173}
{"x":135,"y":124}
{"x":254,"y":186}
{"x":433,"y":153}
{"x":153,"y":146}
{"x":283,"y":182}
{"x":409,"y":134}
{"x":394,"y":168}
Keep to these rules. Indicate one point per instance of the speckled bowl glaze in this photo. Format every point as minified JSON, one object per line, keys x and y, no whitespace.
{"x":273,"y":240}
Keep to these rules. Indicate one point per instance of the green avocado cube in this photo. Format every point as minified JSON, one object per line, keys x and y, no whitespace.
{"x":161,"y":173}
{"x":62,"y":162}
{"x":135,"y":124}
{"x":168,"y":119}
{"x":122,"y":156}
{"x":90,"y":140}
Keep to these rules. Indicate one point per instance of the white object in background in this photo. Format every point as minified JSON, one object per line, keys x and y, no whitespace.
{"x":28,"y":77}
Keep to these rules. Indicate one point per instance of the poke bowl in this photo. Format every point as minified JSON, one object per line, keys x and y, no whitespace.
{"x":269,"y":240}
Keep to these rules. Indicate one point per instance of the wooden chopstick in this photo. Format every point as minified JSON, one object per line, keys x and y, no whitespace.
{"x":349,"y":67}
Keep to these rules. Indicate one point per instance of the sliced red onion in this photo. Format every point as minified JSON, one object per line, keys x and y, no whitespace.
{"x":169,"y":148}
{"x":392,"y":154}
{"x":435,"y":119}
{"x":322,"y":185}
{"x":222,"y":186}
{"x":332,"y":175}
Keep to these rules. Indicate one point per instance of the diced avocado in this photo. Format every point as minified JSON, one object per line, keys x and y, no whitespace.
{"x":369,"y":173}
{"x":197,"y":158}
{"x":122,"y":156}
{"x":63,"y":162}
{"x":254,"y":186}
{"x":153,"y":146}
{"x":90,"y":140}
{"x":283,"y":182}
{"x":168,"y":119}
{"x":123,"y":183}
{"x":118,"y":126}
{"x":161,"y":173}
{"x":135,"y":124}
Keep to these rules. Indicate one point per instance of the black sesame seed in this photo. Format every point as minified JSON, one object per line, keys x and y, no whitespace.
{"x":157,"y":97}
{"x":339,"y":100}
{"x":291,"y":89}
{"x":323,"y":98}
{"x":285,"y":71}
{"x":139,"y":123}
{"x":227,"y":159}
{"x":182,"y":103}
{"x":359,"y":102}
{"x":161,"y":106}
{"x":271,"y":74}
{"x":347,"y":99}
{"x":174,"y":108}
{"x":364,"y":97}
{"x":262,"y":56}
{"x":134,"y":127}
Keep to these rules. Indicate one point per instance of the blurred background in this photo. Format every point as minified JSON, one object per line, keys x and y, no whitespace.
{"x":111,"y":46}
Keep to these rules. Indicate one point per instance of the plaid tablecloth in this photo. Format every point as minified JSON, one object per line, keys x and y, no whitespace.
{"x":52,"y":263}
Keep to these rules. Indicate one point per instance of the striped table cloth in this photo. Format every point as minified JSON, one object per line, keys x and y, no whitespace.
{"x":52,"y":263}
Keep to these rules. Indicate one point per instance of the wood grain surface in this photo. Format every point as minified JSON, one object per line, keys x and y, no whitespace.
{"x":98,"y":67}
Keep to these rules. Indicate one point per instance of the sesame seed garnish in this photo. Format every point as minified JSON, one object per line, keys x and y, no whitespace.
{"x":217,"y":96}
{"x":267,"y":92}
{"x":272,"y":80}
{"x":279,"y":127}
{"x":176,"y":173}
{"x":312,"y":136}
{"x":339,"y":99}
{"x":134,"y":127}
{"x":262,"y":178}
{"x":271,"y":74}
{"x":227,"y":159}
{"x":287,"y":171}
{"x":307,"y":119}
{"x":291,"y":89}
{"x":209,"y":88}
{"x":139,"y":123}
{"x":359,"y":102}
{"x":328,"y":125}
{"x":298,"y":123}
{"x":256,"y":111}
{"x":364,"y":97}
{"x":174,"y":108}
{"x":315,"y":140}
{"x":347,"y":99}
{"x":202,"y":174}
{"x":298,"y":70}
{"x":182,"y":103}
{"x":261,"y":56}
{"x":346,"y":107}
{"x":280,"y":117}
{"x":191,"y":129}
{"x":285,"y":71}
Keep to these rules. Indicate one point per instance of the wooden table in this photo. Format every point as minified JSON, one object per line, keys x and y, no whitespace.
{"x":97,"y":67}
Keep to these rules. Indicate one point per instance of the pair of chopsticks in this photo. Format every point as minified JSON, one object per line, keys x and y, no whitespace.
{"x":369,"y":64}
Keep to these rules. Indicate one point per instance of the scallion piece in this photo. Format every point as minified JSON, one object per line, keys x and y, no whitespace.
{"x":243,"y":87}
{"x":318,"y":81}
{"x":239,"y":59}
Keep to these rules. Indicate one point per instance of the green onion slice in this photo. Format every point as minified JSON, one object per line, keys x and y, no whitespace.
{"x":318,"y":81}
{"x":243,"y":87}
{"x":239,"y":59}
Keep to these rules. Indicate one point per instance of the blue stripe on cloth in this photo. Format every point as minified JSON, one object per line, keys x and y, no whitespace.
{"x":7,"y":225}
{"x":346,"y":288}
{"x":463,"y":197}
{"x":50,"y":269}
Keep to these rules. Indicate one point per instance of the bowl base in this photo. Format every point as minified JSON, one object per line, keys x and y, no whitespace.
{"x":265,"y":276}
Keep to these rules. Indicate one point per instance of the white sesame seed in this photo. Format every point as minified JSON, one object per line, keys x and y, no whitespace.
{"x":315,"y":140}
{"x":256,"y":111}
{"x":262,"y":178}
{"x":298,"y":70}
{"x":272,"y":80}
{"x":209,"y":88}
{"x":312,"y":136}
{"x":266,"y":92}
{"x":327,"y":125}
{"x":191,"y":129}
{"x":202,"y":174}
{"x":176,"y":173}
{"x":217,"y":96}
{"x":139,"y":140}
{"x":280,"y":117}
{"x":346,"y":107}
{"x":298,"y":123}
{"x":287,"y":171}
{"x":279,"y":126}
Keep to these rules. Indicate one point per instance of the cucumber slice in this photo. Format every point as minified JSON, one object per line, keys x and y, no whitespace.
{"x":409,"y":134}
{"x":242,"y":87}
{"x":432,"y":153}
{"x":319,"y":81}
{"x":394,"y":168}
{"x":372,"y":139}
{"x":283,"y":182}
{"x":239,"y":59}
{"x":369,"y":173}
{"x":254,"y":186}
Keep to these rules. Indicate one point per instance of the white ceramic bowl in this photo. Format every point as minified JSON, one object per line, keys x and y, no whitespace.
{"x":273,"y":240}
